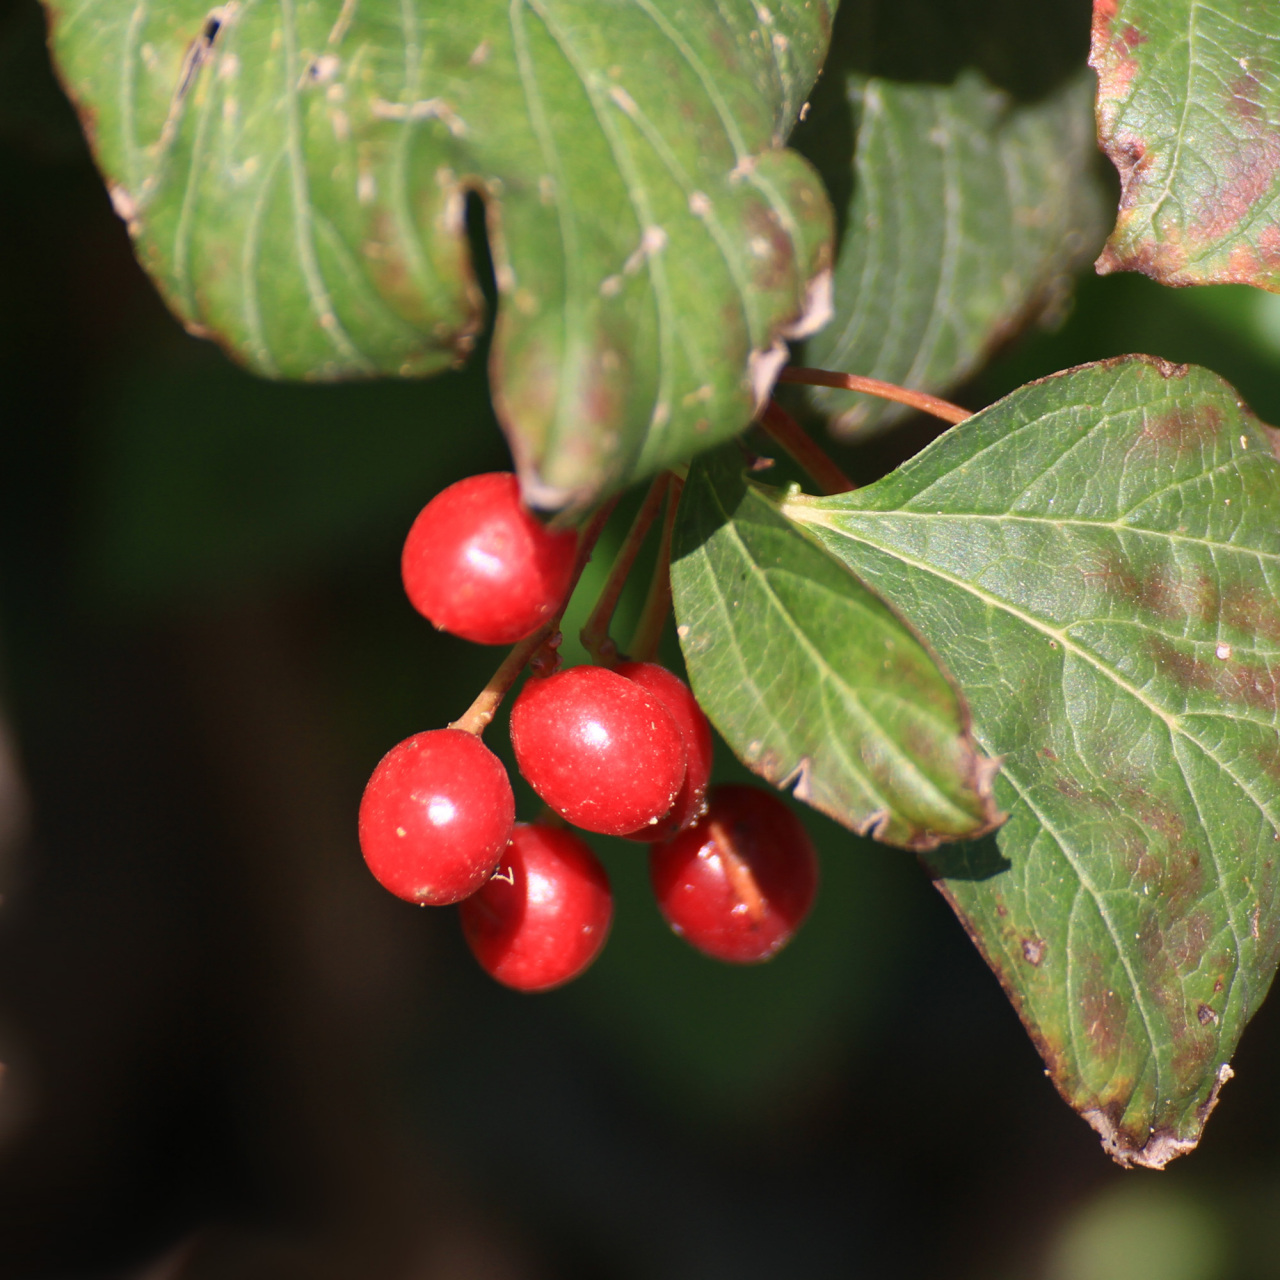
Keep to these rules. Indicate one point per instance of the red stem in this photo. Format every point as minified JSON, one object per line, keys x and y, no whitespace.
{"x":595,"y":633}
{"x":657,"y":604}
{"x":804,"y":449}
{"x":943,"y":409}
{"x":478,"y":715}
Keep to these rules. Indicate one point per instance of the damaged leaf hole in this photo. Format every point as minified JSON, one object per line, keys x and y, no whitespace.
{"x":200,"y":49}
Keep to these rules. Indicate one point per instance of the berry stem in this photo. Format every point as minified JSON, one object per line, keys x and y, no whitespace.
{"x":804,"y":449}
{"x":738,"y":873}
{"x":943,"y":409}
{"x":595,"y":634}
{"x":657,"y":604}
{"x":478,"y":715}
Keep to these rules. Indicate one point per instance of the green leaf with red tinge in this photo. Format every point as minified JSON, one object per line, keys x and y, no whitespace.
{"x":811,"y":679}
{"x":1096,"y":558}
{"x":1189,"y":112}
{"x":296,"y":178}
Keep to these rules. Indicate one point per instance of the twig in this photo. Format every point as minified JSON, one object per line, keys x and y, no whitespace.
{"x":657,"y":603}
{"x":804,"y":449}
{"x":943,"y":409}
{"x":595,"y":634}
{"x":738,"y":873}
{"x":477,"y":716}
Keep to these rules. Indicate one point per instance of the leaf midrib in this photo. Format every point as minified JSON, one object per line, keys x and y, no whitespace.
{"x":1054,"y":633}
{"x":793,"y":508}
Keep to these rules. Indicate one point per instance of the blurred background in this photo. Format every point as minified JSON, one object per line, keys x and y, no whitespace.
{"x":228,"y":1053}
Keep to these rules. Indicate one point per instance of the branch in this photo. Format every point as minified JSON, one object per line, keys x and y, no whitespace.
{"x":943,"y":409}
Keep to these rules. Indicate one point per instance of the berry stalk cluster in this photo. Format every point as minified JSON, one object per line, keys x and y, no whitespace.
{"x":620,"y":747}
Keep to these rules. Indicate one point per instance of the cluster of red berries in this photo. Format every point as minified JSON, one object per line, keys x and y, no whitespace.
{"x":623,"y":751}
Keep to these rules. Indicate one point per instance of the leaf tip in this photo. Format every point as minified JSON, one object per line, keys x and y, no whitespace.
{"x":1162,"y":1145}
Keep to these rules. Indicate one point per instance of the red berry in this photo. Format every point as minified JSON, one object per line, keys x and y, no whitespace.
{"x":738,"y":884}
{"x":478,"y":563}
{"x":600,"y":750}
{"x":436,"y":816}
{"x":545,"y":914}
{"x":678,"y":699}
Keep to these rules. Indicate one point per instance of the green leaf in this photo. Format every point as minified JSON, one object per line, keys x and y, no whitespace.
{"x":1096,"y":558}
{"x":811,"y":680}
{"x":296,"y":177}
{"x":1189,"y":111}
{"x":968,"y":213}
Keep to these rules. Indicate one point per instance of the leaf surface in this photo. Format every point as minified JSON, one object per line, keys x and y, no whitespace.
{"x":296,"y":176}
{"x":811,"y":680}
{"x":969,"y":211}
{"x":1096,"y":558}
{"x":1189,"y":112}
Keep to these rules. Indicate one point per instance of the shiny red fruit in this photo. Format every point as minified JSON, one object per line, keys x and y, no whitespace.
{"x":678,"y":699}
{"x":739,"y":883}
{"x":545,"y":914}
{"x":600,"y":750}
{"x":436,"y":816}
{"x":479,"y":564}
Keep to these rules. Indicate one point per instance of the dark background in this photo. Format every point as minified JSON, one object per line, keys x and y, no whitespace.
{"x":229,"y":1054}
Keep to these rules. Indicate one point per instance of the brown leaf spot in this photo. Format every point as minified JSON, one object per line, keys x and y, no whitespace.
{"x":1251,"y":611}
{"x":1165,"y":368}
{"x":1111,"y":55}
{"x":1196,"y":1049}
{"x":1103,"y":1013}
{"x":1269,"y":245}
{"x":1160,"y":594}
{"x":1033,"y":950}
{"x":604,"y":387}
{"x":1182,"y":428}
{"x":1188,"y":939}
{"x":1131,"y":158}
{"x":1067,"y":786}
{"x":1162,"y":982}
{"x":1164,"y":594}
{"x":1268,"y":758}
{"x":1246,"y":684}
{"x":1206,"y":1015}
{"x":1163,"y":260}
{"x":1243,"y":266}
{"x":1245,"y":101}
{"x":1249,"y":168}
{"x":1147,"y":868}
{"x":1250,"y":174}
{"x":769,"y":248}
{"x":1168,"y":865}
{"x":388,"y":267}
